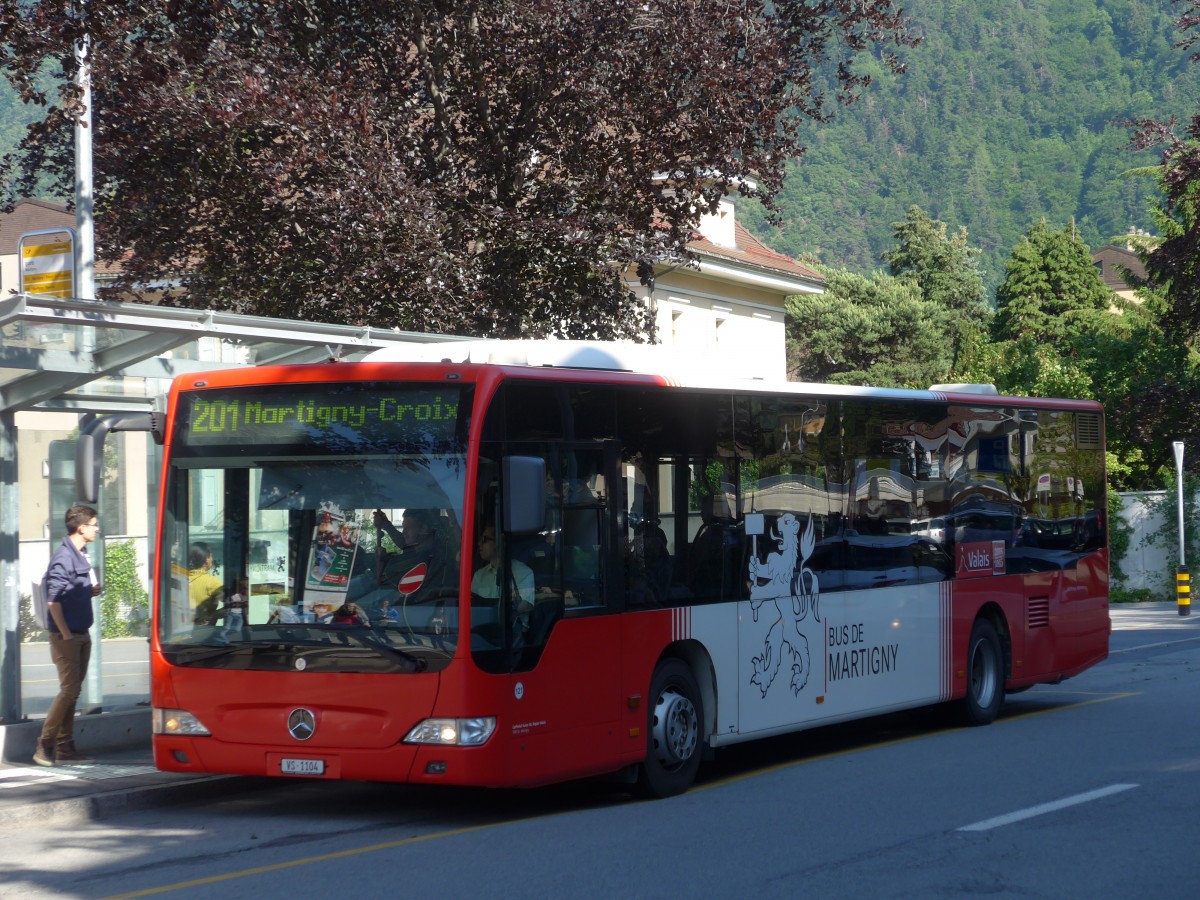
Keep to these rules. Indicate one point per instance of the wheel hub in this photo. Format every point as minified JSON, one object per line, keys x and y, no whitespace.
{"x":983,"y":674}
{"x":676,"y":729}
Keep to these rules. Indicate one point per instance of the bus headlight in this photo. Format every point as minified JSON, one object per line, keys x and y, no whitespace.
{"x":177,"y":721}
{"x":453,"y":732}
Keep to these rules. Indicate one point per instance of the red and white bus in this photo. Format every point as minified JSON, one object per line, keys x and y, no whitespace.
{"x":520,"y":562}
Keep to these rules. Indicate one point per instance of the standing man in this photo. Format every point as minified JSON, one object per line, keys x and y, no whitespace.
{"x":70,"y":586}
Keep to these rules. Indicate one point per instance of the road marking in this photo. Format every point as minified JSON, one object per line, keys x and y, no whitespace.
{"x":1097,"y":698}
{"x":920,"y":736}
{"x":1043,"y":808}
{"x":1151,"y":646}
{"x":16,"y":778}
{"x":325,"y":857}
{"x":102,"y":675}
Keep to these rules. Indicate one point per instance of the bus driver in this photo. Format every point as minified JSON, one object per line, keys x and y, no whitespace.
{"x":486,"y":581}
{"x":423,"y":567}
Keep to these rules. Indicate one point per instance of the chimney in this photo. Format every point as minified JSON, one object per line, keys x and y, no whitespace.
{"x":718,"y":227}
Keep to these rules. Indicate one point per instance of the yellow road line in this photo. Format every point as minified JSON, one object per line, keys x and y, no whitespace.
{"x":109,"y":675}
{"x":325,"y":857}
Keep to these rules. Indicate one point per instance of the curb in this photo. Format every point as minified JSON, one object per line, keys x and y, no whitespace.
{"x":93,"y":733}
{"x":108,"y":803}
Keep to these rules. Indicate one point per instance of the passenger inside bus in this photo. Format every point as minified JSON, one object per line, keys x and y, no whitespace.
{"x":649,"y":564}
{"x":713,"y":557}
{"x":205,"y":590}
{"x":582,"y":580}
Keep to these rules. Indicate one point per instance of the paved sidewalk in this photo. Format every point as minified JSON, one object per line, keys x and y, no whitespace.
{"x":119,"y":781}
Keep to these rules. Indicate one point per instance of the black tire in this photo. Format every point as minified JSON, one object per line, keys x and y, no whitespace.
{"x":985,"y":675}
{"x":674,"y":732}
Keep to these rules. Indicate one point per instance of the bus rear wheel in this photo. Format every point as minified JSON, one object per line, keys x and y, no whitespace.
{"x":985,"y":675}
{"x":675,"y":722}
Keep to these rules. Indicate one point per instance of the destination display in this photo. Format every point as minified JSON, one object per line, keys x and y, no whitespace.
{"x":359,"y":415}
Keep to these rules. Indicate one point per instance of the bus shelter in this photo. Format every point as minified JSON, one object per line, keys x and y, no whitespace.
{"x":85,"y":358}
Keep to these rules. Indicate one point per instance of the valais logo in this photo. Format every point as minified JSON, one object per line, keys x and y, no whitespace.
{"x":980,"y":558}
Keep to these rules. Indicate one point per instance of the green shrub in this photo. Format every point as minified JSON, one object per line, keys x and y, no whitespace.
{"x":30,"y":630}
{"x":1135,"y":595}
{"x":1120,"y":534}
{"x":124,"y":605}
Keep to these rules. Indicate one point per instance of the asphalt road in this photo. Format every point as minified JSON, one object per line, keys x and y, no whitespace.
{"x":1085,"y":789}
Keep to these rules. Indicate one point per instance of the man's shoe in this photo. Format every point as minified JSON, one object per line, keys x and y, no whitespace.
{"x":44,"y":754}
{"x":66,"y":753}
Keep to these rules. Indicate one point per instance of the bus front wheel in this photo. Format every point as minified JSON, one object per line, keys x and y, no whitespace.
{"x":985,"y":675}
{"x":675,"y":722}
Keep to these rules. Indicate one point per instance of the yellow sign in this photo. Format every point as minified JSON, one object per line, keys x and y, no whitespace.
{"x":48,"y":269}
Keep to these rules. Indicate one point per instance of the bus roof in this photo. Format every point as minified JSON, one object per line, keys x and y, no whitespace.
{"x":677,"y":367}
{"x":611,"y":356}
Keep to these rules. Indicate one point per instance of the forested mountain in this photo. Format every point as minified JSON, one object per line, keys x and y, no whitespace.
{"x":1009,"y":113}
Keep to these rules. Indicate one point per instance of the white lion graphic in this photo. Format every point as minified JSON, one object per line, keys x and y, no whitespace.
{"x":785,"y":573}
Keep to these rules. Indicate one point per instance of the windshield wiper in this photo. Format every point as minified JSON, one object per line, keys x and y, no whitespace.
{"x":418,"y":662}
{"x":199,"y":652}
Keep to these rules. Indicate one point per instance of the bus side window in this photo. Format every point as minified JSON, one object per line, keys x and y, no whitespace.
{"x":714,"y":557}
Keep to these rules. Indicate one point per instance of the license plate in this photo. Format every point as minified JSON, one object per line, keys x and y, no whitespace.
{"x":303,"y":766}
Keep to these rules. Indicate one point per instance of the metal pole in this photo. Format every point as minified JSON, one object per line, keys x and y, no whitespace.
{"x":1182,"y":578}
{"x":92,"y":695}
{"x":85,"y":270}
{"x":10,"y":589}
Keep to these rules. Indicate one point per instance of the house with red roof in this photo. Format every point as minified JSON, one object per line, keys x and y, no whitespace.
{"x":730,"y":306}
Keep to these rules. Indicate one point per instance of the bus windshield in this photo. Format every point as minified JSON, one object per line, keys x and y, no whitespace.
{"x":314,"y":526}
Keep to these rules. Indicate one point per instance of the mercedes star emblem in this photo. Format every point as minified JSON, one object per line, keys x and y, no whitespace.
{"x":302,"y":724}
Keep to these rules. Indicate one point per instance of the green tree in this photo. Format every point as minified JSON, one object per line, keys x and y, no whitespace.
{"x":1174,"y":264}
{"x":1173,"y":261}
{"x":945,"y":269}
{"x":1058,"y":335}
{"x":488,"y":168}
{"x":1051,"y":288}
{"x":875,"y":330}
{"x":1165,"y":409}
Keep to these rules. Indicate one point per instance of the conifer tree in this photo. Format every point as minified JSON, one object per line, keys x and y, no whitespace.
{"x":945,"y":268}
{"x":1051,"y":288}
{"x":875,"y":330}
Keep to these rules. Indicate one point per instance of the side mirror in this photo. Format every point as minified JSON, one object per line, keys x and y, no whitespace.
{"x":89,"y":450}
{"x":524,"y":488}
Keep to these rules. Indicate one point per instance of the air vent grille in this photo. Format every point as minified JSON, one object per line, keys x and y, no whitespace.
{"x":1037,"y":613}
{"x":1087,"y":431}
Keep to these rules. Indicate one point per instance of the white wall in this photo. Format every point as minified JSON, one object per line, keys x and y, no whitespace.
{"x":1149,"y":565}
{"x":743,"y":340}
